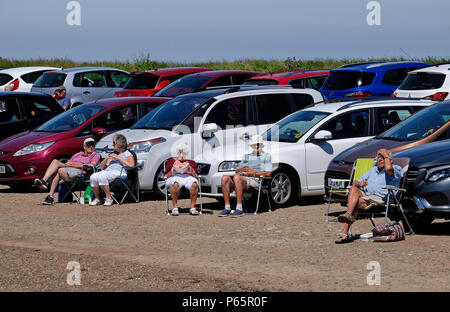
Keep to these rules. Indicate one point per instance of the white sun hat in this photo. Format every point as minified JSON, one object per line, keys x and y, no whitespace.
{"x":256,"y":139}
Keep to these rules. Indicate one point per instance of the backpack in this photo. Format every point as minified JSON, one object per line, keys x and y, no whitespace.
{"x":389,"y":232}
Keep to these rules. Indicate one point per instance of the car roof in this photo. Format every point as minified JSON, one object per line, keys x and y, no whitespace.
{"x":171,"y":71}
{"x":219,"y":73}
{"x":439,"y":68}
{"x":339,"y":106}
{"x":18,"y":93}
{"x":26,"y":69}
{"x":77,"y":69}
{"x":378,"y":66}
{"x":128,"y":100}
{"x":291,"y":74}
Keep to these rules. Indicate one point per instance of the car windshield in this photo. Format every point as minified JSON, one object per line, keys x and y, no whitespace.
{"x":422,"y":81}
{"x":419,"y":125}
{"x":170,"y":114}
{"x":50,"y":80}
{"x":183,"y":85}
{"x":293,"y":127}
{"x":260,"y":82}
{"x":142,"y":82}
{"x":341,"y":80}
{"x":71,"y":119}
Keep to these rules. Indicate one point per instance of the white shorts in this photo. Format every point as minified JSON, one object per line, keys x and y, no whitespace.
{"x":183,"y":180}
{"x":252,"y":182}
{"x":377,"y":198}
{"x":103,"y":177}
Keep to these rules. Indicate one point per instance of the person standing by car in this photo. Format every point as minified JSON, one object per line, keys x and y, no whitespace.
{"x":58,"y":171}
{"x":253,"y":165}
{"x":111,"y":169}
{"x":367,"y":192}
{"x":61,"y":97}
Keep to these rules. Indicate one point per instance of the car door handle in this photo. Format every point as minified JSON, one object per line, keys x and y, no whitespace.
{"x":245,"y":136}
{"x":86,"y":92}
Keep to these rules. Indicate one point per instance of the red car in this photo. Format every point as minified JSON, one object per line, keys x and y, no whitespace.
{"x":25,"y":156}
{"x":201,"y":81}
{"x":298,"y":79}
{"x":147,"y":83}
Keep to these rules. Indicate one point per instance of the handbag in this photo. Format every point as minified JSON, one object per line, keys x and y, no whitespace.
{"x":389,"y":232}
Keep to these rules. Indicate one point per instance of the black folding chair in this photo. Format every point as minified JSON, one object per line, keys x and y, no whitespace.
{"x":129,"y":184}
{"x":79,"y":182}
{"x":264,"y":188}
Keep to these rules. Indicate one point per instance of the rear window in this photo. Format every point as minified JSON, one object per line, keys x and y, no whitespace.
{"x":32,"y":77}
{"x":183,"y":85}
{"x":261,"y":82}
{"x":50,"y":80}
{"x":341,"y":80}
{"x":4,"y":79}
{"x":423,"y":81}
{"x":142,"y":82}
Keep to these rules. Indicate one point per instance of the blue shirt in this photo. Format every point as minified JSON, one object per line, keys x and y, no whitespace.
{"x":376,"y":179}
{"x":263,"y":162}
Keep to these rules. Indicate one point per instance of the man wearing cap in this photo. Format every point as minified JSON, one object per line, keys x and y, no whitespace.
{"x":57,"y":170}
{"x":252,"y":166}
{"x":61,"y":97}
{"x":367,"y":192}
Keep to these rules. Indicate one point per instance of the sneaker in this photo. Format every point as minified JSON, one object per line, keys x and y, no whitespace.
{"x":41,"y":184}
{"x":224,"y":213}
{"x":108,"y":202}
{"x":95,"y":202}
{"x":237,"y":213}
{"x":48,"y":200}
{"x":175,"y":212}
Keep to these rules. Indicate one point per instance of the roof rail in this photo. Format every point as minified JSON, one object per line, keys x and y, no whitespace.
{"x":361,"y":101}
{"x":435,"y":65}
{"x":363,"y":63}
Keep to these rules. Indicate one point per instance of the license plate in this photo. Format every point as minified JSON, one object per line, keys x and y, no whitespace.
{"x":2,"y":169}
{"x":336,"y":184}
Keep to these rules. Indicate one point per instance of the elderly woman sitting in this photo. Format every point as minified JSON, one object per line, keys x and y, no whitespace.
{"x":111,"y":169}
{"x":58,"y":171}
{"x":179,"y":173}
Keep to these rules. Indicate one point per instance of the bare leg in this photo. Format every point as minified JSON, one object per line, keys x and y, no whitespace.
{"x":227,"y":183}
{"x":355,"y":201}
{"x":60,"y":175}
{"x":193,"y":193}
{"x":96,"y":191}
{"x":175,"y":191}
{"x":240,"y":184}
{"x":105,"y":188}
{"x":52,"y":169}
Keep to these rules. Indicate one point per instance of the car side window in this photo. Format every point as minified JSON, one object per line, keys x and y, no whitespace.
{"x":94,"y":79}
{"x":387,"y":117}
{"x":239,"y":79}
{"x":349,"y":125}
{"x":231,"y":112}
{"x":315,"y":82}
{"x":395,"y":77}
{"x":117,"y":119}
{"x":37,"y":108}
{"x":272,"y":107}
{"x":9,"y":110}
{"x":297,"y":83}
{"x":118,"y":79}
{"x":302,"y":100}
{"x":221,"y":81}
{"x":33,"y":76}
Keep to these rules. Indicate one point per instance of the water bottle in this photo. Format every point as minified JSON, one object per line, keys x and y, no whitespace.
{"x":81,"y":200}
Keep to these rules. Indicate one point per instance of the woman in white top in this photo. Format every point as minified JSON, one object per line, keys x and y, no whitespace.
{"x":111,"y":169}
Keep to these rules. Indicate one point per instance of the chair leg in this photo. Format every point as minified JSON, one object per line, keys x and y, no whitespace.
{"x":268,"y":201}
{"x":406,"y":219}
{"x":259,"y":196}
{"x":167,"y":202}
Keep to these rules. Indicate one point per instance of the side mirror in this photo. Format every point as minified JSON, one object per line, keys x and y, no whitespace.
{"x":209,"y":129}
{"x":323,"y":135}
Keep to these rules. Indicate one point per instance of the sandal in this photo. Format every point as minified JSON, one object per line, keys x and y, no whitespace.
{"x":175,"y":212}
{"x":193,"y":212}
{"x":343,"y":239}
{"x":346,"y":218}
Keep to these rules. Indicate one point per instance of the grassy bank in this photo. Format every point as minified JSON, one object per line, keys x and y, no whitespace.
{"x":144,"y":62}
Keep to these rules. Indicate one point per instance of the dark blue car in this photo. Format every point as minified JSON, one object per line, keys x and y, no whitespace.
{"x":375,"y":79}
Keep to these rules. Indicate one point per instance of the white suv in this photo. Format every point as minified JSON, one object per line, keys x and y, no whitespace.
{"x":205,"y":121}
{"x":429,"y":82}
{"x":21,"y":79}
{"x":303,"y":144}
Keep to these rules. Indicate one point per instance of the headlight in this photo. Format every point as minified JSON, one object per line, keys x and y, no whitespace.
{"x":33,"y":148}
{"x":144,"y":146}
{"x":438,"y":173}
{"x":229,"y":165}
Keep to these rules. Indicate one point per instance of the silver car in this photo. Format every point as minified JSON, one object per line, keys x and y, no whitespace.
{"x":83,"y":84}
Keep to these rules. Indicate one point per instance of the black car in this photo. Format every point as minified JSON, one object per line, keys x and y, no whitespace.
{"x":21,"y":111}
{"x":428,"y":182}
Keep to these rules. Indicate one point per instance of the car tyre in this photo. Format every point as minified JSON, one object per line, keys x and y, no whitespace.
{"x":282,"y":188}
{"x":159,"y":185}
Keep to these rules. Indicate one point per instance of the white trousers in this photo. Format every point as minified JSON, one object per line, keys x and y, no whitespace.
{"x":103,"y":177}
{"x":185,"y":180}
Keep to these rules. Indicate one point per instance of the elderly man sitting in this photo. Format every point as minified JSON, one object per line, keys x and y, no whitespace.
{"x":367,"y":192}
{"x":180,"y":173}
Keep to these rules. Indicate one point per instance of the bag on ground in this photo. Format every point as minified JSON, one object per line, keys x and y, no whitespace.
{"x":392,"y":231}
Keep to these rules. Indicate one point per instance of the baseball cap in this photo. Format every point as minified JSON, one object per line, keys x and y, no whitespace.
{"x":88,"y":140}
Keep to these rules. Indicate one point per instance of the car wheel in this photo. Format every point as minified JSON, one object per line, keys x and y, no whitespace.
{"x":282,"y":188}
{"x":159,"y":186}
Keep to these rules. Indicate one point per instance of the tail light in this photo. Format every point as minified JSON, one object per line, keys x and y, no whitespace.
{"x":14,"y":85}
{"x":439,"y":96}
{"x":358,"y":94}
{"x":117,"y":94}
{"x":393,"y":95}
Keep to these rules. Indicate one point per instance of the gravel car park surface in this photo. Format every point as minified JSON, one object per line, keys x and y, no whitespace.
{"x":137,"y":247}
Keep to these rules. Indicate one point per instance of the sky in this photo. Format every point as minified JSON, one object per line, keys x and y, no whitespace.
{"x":213,"y":30}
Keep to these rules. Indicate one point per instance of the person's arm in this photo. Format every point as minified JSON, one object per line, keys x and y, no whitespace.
{"x":169,"y":168}
{"x":192,"y":170}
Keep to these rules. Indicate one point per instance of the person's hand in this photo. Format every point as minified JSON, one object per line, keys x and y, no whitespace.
{"x":363,"y":183}
{"x":384,"y":152}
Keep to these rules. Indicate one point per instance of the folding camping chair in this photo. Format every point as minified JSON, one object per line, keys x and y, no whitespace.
{"x":80,"y":182}
{"x":128,"y":183}
{"x":167,"y":193}
{"x":341,"y":187}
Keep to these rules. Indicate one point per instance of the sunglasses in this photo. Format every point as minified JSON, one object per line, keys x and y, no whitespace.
{"x":379,"y":155}
{"x":90,"y":144}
